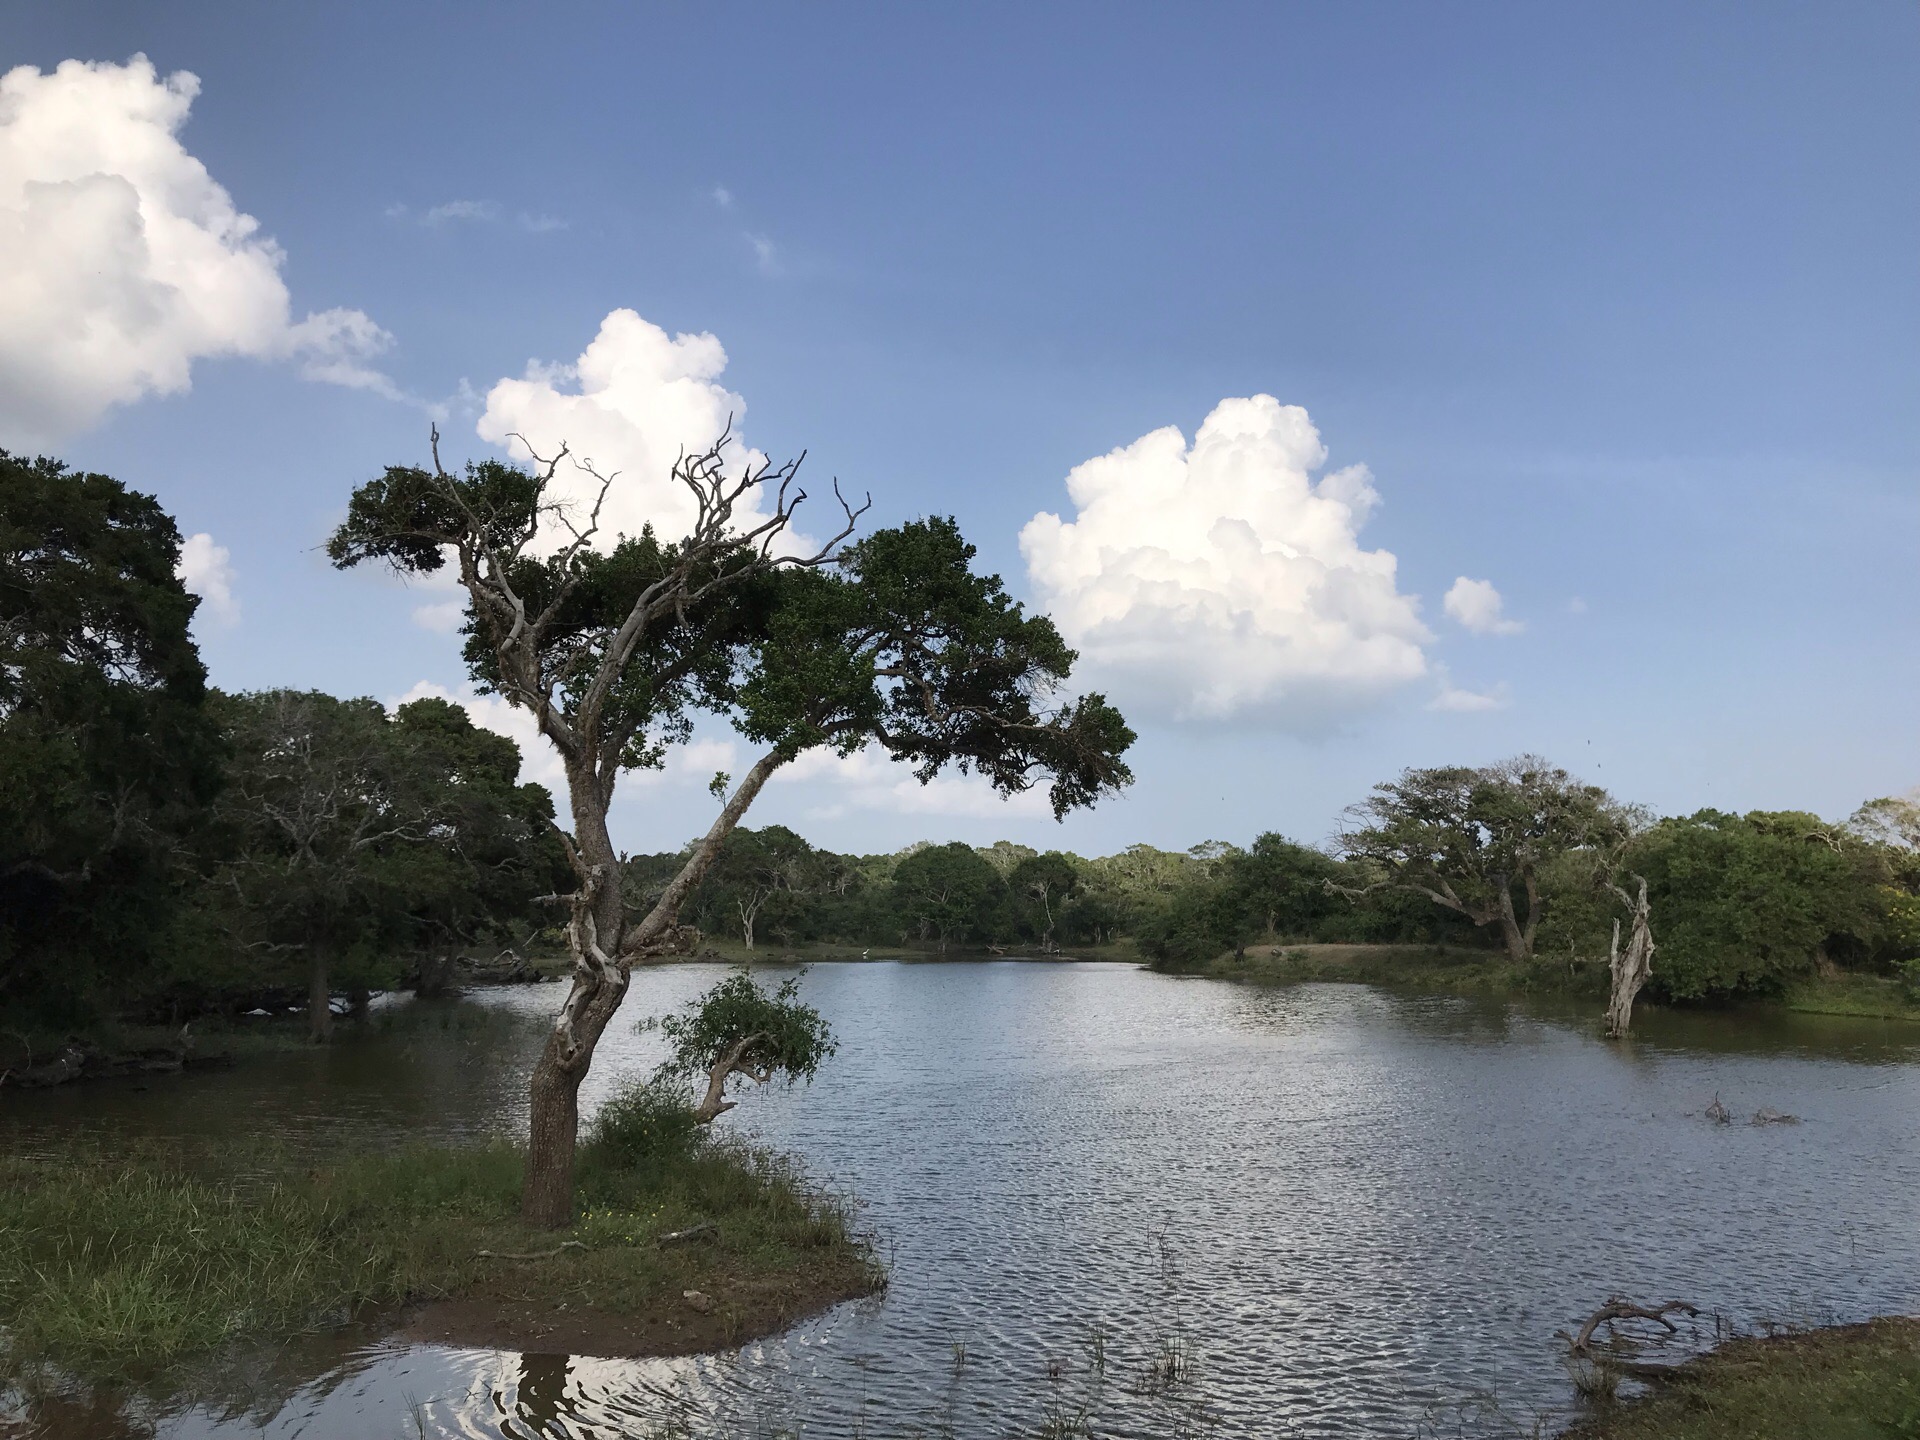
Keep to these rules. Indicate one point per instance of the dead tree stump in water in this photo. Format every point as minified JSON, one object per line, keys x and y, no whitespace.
{"x":1630,"y":968}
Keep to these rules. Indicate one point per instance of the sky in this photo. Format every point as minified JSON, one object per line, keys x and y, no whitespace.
{"x":1359,"y":387}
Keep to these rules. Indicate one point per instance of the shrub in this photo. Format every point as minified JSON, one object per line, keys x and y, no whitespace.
{"x":641,"y":1123}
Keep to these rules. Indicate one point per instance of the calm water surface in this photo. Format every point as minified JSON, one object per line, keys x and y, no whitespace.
{"x":1351,"y":1213}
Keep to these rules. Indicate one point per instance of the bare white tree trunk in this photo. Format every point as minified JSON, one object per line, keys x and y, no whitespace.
{"x":1630,"y":968}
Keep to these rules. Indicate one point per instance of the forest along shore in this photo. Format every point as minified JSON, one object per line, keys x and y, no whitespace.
{"x":146,"y":1266}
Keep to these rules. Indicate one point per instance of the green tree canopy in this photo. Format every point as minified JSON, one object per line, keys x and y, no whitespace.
{"x":108,"y":757}
{"x":738,"y":1028}
{"x":1475,"y":840}
{"x":943,"y":891}
{"x":352,"y":837}
{"x":1745,"y":904}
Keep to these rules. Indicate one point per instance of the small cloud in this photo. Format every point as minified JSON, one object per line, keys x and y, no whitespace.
{"x":480,"y":211}
{"x":1453,"y":700}
{"x":443,"y":618}
{"x":1476,"y":605}
{"x":206,"y":569}
{"x":541,"y":224}
{"x":765,"y":255}
{"x":723,"y":197}
{"x":1577,"y":606}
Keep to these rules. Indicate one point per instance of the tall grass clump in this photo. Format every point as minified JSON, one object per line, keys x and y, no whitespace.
{"x":117,"y":1265}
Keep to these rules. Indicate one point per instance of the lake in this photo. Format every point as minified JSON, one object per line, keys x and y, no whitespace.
{"x":1144,"y":1206}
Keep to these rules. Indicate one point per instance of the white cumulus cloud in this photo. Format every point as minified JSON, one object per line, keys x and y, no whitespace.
{"x":1223,"y":580}
{"x":1476,"y":605}
{"x":868,"y":780}
{"x":122,"y":261}
{"x":633,"y":402}
{"x":206,"y":569}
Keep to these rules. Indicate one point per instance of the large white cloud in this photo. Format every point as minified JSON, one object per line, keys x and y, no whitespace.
{"x":122,"y":261}
{"x":1223,"y":580}
{"x":632,"y":403}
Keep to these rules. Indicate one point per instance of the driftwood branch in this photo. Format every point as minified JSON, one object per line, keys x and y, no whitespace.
{"x":1609,"y":1357}
{"x":529,"y":1254}
{"x":692,"y":1232}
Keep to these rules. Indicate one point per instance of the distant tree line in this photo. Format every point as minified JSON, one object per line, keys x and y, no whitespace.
{"x":1516,"y":858}
{"x":167,"y":850}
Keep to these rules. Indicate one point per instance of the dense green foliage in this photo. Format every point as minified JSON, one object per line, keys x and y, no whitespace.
{"x":349,"y":842}
{"x":1475,"y":840}
{"x":165,"y":849}
{"x":768,"y":1033}
{"x":108,"y":758}
{"x":1742,"y":905}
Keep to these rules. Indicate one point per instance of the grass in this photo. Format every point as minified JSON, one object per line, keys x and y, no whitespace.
{"x":132,"y":1266}
{"x":1851,"y":1382}
{"x":1880,"y":997}
{"x":1422,"y":967}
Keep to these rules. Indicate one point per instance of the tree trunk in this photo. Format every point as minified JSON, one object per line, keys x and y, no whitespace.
{"x":602,"y":949}
{"x":1519,"y":942}
{"x":599,"y":985}
{"x":319,"y":998}
{"x":1630,"y":968}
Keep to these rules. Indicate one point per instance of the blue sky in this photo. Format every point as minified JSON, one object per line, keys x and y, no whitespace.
{"x":1619,"y":307}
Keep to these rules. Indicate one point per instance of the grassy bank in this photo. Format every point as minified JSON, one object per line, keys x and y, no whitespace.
{"x":1852,"y":1382}
{"x":1878,"y":997}
{"x":1460,"y":970}
{"x":1416,"y":967}
{"x":135,"y":1266}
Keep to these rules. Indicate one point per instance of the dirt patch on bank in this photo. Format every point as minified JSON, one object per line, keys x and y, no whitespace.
{"x":726,"y":1315}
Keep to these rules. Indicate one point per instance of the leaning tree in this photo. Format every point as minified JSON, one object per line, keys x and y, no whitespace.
{"x":1470,"y":839}
{"x":739,"y":1031}
{"x":893,"y":641}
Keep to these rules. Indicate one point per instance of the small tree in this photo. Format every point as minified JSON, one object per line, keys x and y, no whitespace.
{"x":1472,"y":840}
{"x":738,"y":1029}
{"x":757,"y":874}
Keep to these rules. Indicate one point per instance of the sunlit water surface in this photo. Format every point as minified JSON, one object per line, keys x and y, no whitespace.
{"x":1347,"y":1212}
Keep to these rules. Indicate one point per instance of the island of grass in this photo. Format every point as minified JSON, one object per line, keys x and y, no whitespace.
{"x":1850,"y":1382}
{"x":135,"y":1266}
